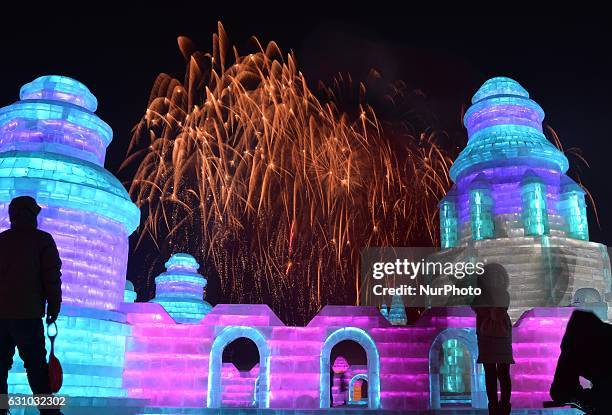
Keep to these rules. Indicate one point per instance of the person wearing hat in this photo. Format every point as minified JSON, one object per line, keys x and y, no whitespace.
{"x":30,"y":288}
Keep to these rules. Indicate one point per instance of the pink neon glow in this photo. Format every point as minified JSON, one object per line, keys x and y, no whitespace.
{"x":238,"y":387}
{"x":168,"y":362}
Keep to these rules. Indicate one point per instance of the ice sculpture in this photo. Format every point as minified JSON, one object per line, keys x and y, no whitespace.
{"x":180,"y":290}
{"x":453,"y":368}
{"x":129,"y":295}
{"x":448,"y":220}
{"x":384,"y":311}
{"x":52,"y":147}
{"x":513,"y":203}
{"x":397,"y":312}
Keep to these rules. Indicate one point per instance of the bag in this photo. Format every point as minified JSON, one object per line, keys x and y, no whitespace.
{"x":56,"y":373}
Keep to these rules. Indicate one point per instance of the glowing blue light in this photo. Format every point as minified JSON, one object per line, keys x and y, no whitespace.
{"x":129,"y":295}
{"x":448,"y":221}
{"x":180,"y":290}
{"x":181,"y":260}
{"x":481,"y":209}
{"x":573,"y":208}
{"x":397,"y":312}
{"x":535,"y":214}
{"x":59,"y":88}
{"x":92,"y":353}
{"x":453,"y":368}
{"x":384,"y":311}
{"x":62,"y":181}
{"x":504,"y":126}
{"x":444,"y":345}
{"x":499,"y":86}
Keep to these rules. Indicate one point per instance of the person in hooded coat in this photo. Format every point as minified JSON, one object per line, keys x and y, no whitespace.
{"x":30,"y":288}
{"x":494,"y":334}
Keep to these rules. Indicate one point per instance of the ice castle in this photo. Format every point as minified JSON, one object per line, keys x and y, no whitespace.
{"x":513,"y":203}
{"x":511,"y":193}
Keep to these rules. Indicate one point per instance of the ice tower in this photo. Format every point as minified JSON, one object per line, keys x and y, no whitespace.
{"x":513,"y":203}
{"x":52,"y":147}
{"x":180,"y":290}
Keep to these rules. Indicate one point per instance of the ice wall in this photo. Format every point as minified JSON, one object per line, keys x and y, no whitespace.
{"x":169,"y":363}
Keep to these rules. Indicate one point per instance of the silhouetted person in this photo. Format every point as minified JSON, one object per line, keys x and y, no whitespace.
{"x":586,"y":351}
{"x":29,"y":279}
{"x":494,"y":332}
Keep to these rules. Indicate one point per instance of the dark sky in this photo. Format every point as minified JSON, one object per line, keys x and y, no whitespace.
{"x":564,"y":62}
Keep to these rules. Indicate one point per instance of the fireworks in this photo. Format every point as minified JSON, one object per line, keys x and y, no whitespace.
{"x":242,"y":165}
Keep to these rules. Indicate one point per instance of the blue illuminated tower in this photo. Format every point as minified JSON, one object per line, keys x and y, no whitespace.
{"x":181,"y":290}
{"x":52,"y":147}
{"x":513,"y":203}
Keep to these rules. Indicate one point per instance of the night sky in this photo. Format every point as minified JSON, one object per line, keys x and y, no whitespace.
{"x":564,"y":62}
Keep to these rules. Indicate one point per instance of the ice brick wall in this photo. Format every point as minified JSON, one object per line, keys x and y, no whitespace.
{"x":91,"y":348}
{"x":168,"y":363}
{"x":536,"y":345}
{"x":238,"y":387}
{"x":165,"y":362}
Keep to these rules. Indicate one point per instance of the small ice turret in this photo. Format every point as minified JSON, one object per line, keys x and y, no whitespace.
{"x":180,"y":290}
{"x":129,"y":294}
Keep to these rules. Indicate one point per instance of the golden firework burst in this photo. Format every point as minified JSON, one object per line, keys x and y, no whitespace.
{"x":243,"y":165}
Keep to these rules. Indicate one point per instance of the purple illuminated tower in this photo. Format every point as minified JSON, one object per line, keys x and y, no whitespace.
{"x":52,"y":147}
{"x":513,"y":203}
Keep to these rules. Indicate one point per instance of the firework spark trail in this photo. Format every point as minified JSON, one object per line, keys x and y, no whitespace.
{"x":242,"y":165}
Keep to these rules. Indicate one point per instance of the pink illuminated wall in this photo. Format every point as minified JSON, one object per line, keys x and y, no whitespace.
{"x":537,"y":338}
{"x":238,"y":387}
{"x":168,"y":362}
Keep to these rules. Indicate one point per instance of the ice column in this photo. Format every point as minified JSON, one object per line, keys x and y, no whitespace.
{"x":533,"y":196}
{"x":573,"y":208}
{"x":481,"y":209}
{"x":448,"y":221}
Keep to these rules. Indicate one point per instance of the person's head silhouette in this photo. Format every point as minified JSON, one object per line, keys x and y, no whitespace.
{"x":494,"y":283}
{"x":23,"y":211}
